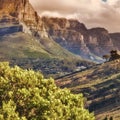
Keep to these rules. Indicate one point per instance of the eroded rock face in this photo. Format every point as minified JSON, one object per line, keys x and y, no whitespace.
{"x":20,"y":9}
{"x":70,"y":34}
{"x":23,"y":11}
{"x":75,"y":37}
{"x":100,"y":41}
{"x":87,"y":43}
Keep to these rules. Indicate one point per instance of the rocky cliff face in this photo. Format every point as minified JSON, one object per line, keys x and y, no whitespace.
{"x":99,"y":41}
{"x":75,"y":37}
{"x":23,"y":12}
{"x":21,"y":9}
{"x":70,"y":34}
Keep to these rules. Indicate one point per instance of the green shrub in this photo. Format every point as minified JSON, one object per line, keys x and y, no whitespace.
{"x":27,"y":95}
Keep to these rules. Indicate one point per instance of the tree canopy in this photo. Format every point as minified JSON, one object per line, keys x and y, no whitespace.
{"x":113,"y":55}
{"x":27,"y":95}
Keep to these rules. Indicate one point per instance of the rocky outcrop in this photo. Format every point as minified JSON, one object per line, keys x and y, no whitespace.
{"x":21,"y":9}
{"x":10,"y":30}
{"x":99,"y":41}
{"x":24,"y":13}
{"x":9,"y":25}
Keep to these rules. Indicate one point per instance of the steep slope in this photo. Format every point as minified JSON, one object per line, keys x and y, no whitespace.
{"x":100,"y":42}
{"x":20,"y":9}
{"x":10,"y":27}
{"x":101,"y":86}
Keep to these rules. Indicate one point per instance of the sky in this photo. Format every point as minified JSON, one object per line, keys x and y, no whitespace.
{"x":93,"y":13}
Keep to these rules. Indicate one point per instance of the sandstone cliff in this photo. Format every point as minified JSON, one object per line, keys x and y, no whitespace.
{"x":21,"y":9}
{"x":75,"y":37}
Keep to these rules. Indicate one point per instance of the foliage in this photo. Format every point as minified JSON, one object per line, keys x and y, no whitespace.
{"x":50,"y":67}
{"x":105,"y":118}
{"x":27,"y":95}
{"x":113,"y":55}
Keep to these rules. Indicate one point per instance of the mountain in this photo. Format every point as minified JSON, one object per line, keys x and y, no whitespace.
{"x":100,"y":85}
{"x":25,"y":41}
{"x":75,"y":37}
{"x":72,"y":35}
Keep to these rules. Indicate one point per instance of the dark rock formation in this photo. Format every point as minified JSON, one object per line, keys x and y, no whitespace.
{"x":10,"y":30}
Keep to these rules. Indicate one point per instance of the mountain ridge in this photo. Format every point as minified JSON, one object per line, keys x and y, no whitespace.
{"x":75,"y":37}
{"x":68,"y":33}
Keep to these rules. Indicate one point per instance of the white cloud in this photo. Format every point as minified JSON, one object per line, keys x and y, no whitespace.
{"x":91,"y":12}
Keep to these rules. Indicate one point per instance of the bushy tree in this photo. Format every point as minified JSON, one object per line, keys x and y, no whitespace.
{"x":105,"y":118}
{"x":111,"y":118}
{"x":114,"y":55}
{"x":27,"y":95}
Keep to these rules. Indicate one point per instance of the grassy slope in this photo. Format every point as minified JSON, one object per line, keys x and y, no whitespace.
{"x":55,"y":49}
{"x":23,"y":45}
{"x":28,"y":52}
{"x":101,"y":86}
{"x":20,"y":45}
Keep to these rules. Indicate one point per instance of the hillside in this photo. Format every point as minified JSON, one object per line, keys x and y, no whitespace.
{"x":20,"y":21}
{"x":101,"y":85}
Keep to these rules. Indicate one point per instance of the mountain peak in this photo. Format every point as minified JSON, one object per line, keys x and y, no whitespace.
{"x":21,"y":9}
{"x":13,"y":6}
